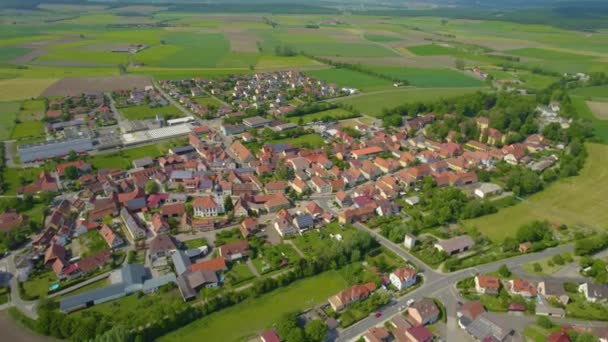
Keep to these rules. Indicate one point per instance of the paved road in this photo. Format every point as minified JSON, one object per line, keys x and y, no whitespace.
{"x":172,"y":100}
{"x":26,"y":307}
{"x":432,"y":287}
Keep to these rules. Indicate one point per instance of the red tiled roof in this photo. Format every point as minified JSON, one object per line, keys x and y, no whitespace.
{"x":214,"y":265}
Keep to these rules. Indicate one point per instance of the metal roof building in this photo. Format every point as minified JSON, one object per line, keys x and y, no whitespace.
{"x":53,"y":148}
{"x":156,"y":134}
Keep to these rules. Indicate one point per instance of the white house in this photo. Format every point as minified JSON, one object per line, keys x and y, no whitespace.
{"x":594,"y":293}
{"x":409,"y":241}
{"x":403,"y":277}
{"x":487,"y":189}
{"x":207,"y":206}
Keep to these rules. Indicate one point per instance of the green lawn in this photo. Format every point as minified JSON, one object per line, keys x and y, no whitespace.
{"x":39,"y":285}
{"x":372,"y":104}
{"x":28,"y":129}
{"x":350,"y":79}
{"x":257,"y":314}
{"x":556,"y":204}
{"x":92,"y":242}
{"x":336,"y":114}
{"x":430,"y":78}
{"x":8,"y":54}
{"x":208,"y":101}
{"x":239,"y":273}
{"x":196,"y":243}
{"x":13,"y":177}
{"x":145,"y":112}
{"x":8,"y":114}
{"x":535,"y":333}
{"x":123,"y":159}
{"x":307,"y":140}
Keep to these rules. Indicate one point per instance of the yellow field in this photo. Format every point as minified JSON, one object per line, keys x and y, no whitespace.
{"x":24,"y":88}
{"x":577,"y":201}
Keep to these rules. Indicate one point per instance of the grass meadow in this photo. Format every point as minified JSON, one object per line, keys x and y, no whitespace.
{"x":8,"y":114}
{"x":600,"y":127}
{"x":123,"y":159}
{"x":372,"y":104}
{"x":260,"y":313}
{"x":307,"y":140}
{"x":556,"y":204}
{"x":430,"y":78}
{"x":145,"y":112}
{"x":336,"y":114}
{"x":351,"y":79}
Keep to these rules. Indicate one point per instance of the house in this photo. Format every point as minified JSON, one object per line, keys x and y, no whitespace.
{"x":269,"y":336}
{"x":469,"y":312}
{"x":283,"y":224}
{"x":80,"y":166}
{"x":412,"y":200}
{"x":249,"y":226}
{"x":172,"y":210}
{"x":242,"y":153}
{"x":419,"y":333}
{"x":320,"y":185}
{"x":159,"y":224}
{"x":487,"y":189}
{"x":485,"y":284}
{"x":521,"y":287}
{"x":455,"y":245}
{"x":11,"y":219}
{"x":160,"y":248}
{"x":346,"y":297}
{"x":256,"y":122}
{"x":409,"y":241}
{"x":343,"y":199}
{"x":594,"y":293}
{"x":215,"y":265}
{"x":488,"y":328}
{"x":190,"y":282}
{"x":553,"y":289}
{"x":559,"y":336}
{"x":525,"y":247}
{"x":135,"y":231}
{"x":207,"y":206}
{"x":403,"y":277}
{"x":377,"y":334}
{"x":234,"y":251}
{"x":276,"y":187}
{"x":299,"y":185}
{"x":423,"y":311}
{"x":366,"y":153}
{"x":112,"y":239}
{"x":276,"y":202}
{"x":44,"y":182}
{"x":303,"y":222}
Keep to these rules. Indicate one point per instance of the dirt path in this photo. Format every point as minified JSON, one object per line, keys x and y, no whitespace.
{"x":15,"y":332}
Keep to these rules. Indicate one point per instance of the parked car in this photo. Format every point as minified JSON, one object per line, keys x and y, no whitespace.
{"x":378,"y":314}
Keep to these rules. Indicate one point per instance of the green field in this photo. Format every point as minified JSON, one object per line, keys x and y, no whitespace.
{"x":372,"y":104}
{"x":31,"y":110}
{"x":8,"y":54}
{"x":23,"y":88}
{"x":13,"y":178}
{"x":143,"y":112}
{"x":8,"y":114}
{"x":123,"y":159}
{"x":28,"y":129}
{"x":335,"y":114}
{"x":600,"y":127}
{"x":307,"y":140}
{"x":556,"y":204}
{"x":381,"y":38}
{"x":599,"y":92}
{"x":208,"y":101}
{"x":439,"y":50}
{"x":351,"y":79}
{"x":260,"y":313}
{"x":430,"y":78}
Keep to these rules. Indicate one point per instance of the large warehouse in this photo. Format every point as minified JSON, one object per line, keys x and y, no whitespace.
{"x":53,"y":148}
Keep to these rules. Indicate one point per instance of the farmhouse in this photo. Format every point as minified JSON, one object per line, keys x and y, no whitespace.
{"x":455,"y":245}
{"x":345,"y":298}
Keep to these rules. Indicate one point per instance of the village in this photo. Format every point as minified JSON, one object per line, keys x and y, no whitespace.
{"x":242,"y":191}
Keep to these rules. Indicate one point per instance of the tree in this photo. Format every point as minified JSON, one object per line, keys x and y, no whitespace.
{"x":537,"y":267}
{"x":459,"y":64}
{"x":228,"y":205}
{"x":72,"y":155}
{"x":152,"y":188}
{"x":71,"y":172}
{"x":544,"y":322}
{"x":316,"y":331}
{"x":534,"y":232}
{"x":504,"y":271}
